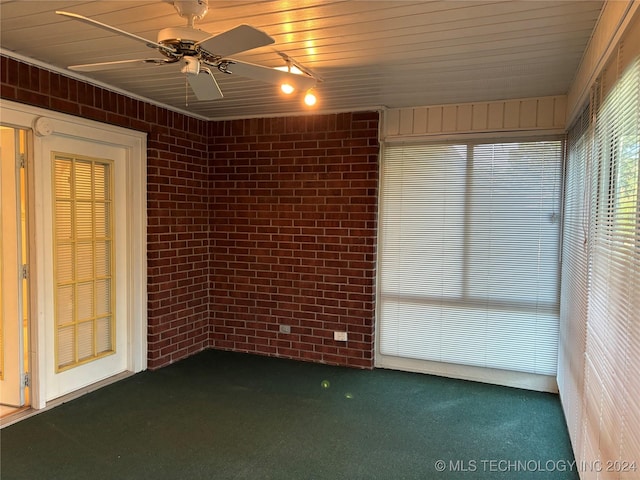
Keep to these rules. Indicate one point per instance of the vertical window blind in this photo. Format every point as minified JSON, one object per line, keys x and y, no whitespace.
{"x":469,"y":270}
{"x":599,"y":384}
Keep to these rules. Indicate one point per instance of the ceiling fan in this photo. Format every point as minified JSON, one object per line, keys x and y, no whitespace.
{"x":197,"y":50}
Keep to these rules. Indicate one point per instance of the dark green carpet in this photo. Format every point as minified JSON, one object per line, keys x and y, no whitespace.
{"x":234,"y":416}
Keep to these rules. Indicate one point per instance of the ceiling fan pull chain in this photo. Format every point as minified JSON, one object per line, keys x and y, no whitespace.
{"x":186,"y":91}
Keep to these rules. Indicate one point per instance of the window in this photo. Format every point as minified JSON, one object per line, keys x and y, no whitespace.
{"x":83,"y":259}
{"x":611,"y":413}
{"x":575,"y":272}
{"x":469,"y":254}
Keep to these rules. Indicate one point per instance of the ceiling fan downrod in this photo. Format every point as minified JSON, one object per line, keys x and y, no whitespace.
{"x":192,"y":10}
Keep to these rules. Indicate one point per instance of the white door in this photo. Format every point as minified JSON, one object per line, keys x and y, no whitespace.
{"x":87,"y":286}
{"x":87,"y":324}
{"x":12,"y":390}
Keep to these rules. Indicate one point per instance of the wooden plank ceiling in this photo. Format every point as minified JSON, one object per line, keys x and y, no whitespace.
{"x":369,"y":53}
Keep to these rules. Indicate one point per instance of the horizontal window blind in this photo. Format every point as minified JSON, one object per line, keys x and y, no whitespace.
{"x":469,"y":254}
{"x":611,"y":423}
{"x":575,"y":272}
{"x":83,"y":259}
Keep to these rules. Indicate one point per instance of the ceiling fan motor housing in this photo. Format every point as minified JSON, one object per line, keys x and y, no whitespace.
{"x":182,"y":40}
{"x":175,"y":35}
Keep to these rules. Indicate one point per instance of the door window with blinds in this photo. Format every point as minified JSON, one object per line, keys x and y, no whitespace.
{"x":83,"y":259}
{"x":469,"y":268}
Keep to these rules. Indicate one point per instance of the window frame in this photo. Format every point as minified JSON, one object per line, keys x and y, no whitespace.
{"x":533,"y":381}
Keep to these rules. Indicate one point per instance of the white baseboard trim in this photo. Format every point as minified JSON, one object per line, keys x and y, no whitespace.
{"x":507,"y":378}
{"x":30,"y":412}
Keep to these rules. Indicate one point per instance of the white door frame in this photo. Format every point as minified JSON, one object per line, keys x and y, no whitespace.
{"x":12,"y":385}
{"x":44,"y":123}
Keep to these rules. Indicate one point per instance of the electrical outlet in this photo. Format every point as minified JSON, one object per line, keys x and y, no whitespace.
{"x":285,"y":328}
{"x":340,"y":336}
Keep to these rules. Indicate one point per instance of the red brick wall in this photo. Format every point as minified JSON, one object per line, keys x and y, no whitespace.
{"x":293,"y":216}
{"x":178,"y":196}
{"x":178,"y":239}
{"x":251,"y":223}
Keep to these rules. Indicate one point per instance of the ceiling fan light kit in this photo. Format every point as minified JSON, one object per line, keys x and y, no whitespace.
{"x":191,"y":66}
{"x":196,"y":51}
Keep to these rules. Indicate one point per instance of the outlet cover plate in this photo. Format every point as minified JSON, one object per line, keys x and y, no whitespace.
{"x":340,"y":336}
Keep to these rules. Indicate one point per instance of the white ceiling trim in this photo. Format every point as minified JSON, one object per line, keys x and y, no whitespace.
{"x":92,"y":81}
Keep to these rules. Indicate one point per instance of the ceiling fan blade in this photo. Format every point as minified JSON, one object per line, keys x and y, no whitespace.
{"x":204,"y":86}
{"x":270,"y":75}
{"x":109,"y":28}
{"x":238,"y":39}
{"x":95,"y":67}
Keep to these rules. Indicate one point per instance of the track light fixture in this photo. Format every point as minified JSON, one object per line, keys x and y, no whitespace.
{"x":293,"y":66}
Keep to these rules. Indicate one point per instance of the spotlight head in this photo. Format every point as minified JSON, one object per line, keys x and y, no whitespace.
{"x":287,"y":89}
{"x":310,"y":98}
